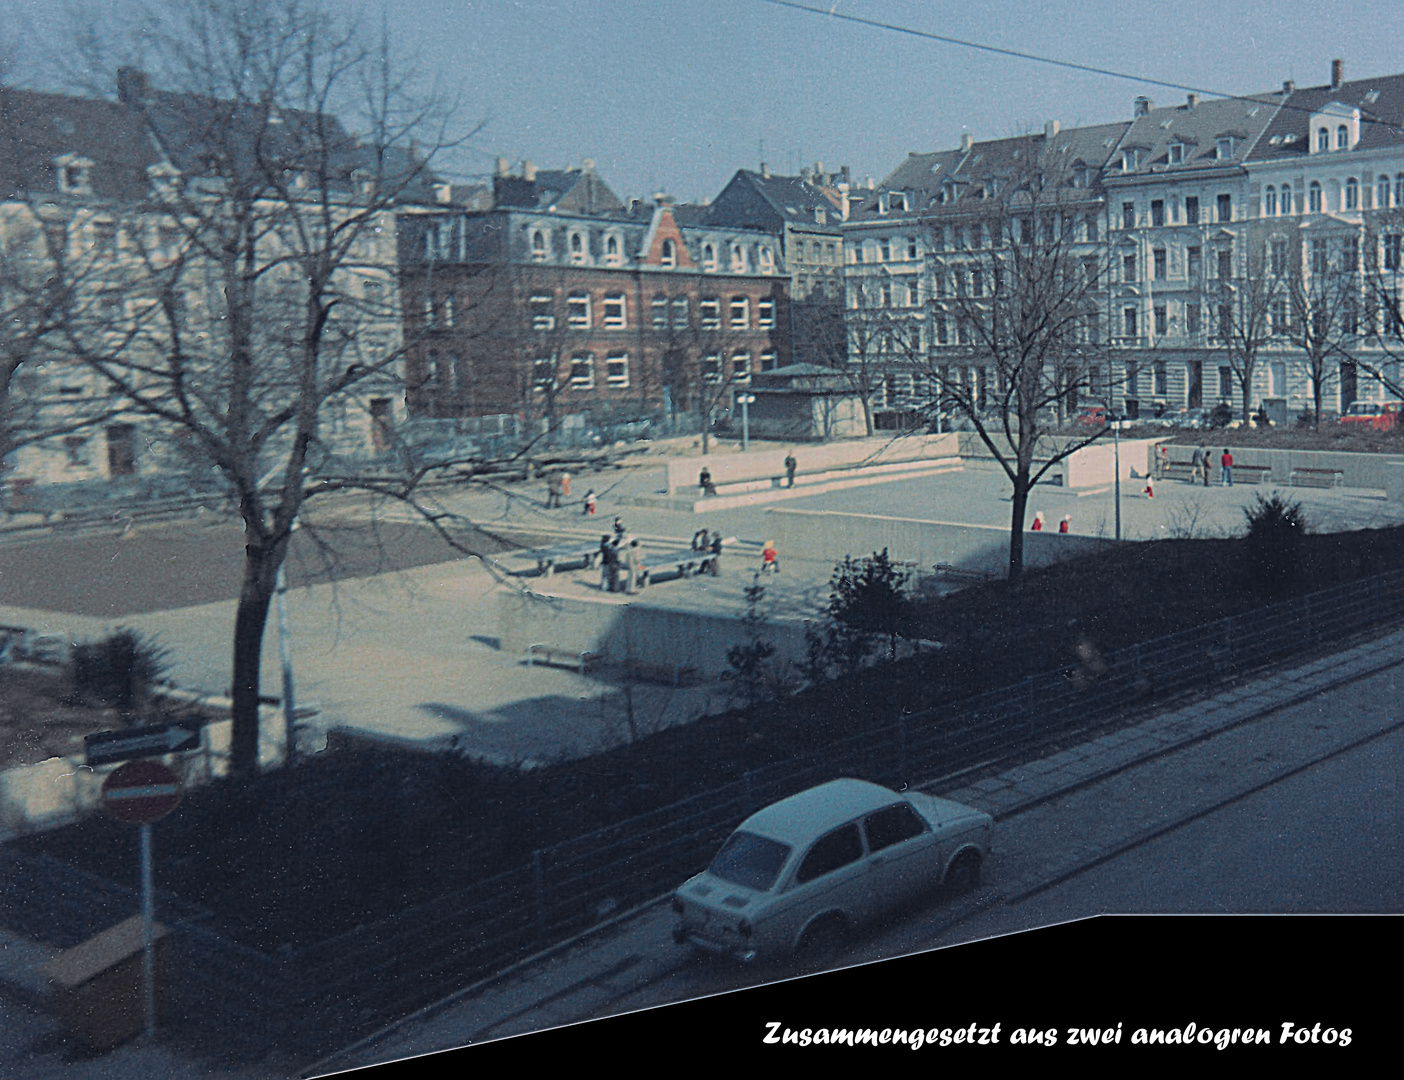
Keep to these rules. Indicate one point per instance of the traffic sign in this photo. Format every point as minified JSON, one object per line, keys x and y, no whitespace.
{"x":105,"y":747}
{"x":141,"y":792}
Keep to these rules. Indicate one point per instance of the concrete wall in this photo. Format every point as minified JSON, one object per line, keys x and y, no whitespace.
{"x":1360,"y":470}
{"x":620,"y":632}
{"x":1095,"y":465}
{"x":828,"y":536}
{"x":758,"y":464}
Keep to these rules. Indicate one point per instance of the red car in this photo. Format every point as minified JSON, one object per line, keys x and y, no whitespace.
{"x":1378,"y":415}
{"x":1095,"y":416}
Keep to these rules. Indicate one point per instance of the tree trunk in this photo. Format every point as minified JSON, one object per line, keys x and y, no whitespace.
{"x":1016,"y":527}
{"x":250,"y":619}
{"x":868,"y":414}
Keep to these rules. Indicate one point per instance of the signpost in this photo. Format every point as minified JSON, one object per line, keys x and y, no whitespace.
{"x":141,"y":792}
{"x":106,"y":747}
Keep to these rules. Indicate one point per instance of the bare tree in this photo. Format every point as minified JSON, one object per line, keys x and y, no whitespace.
{"x":1245,"y":315}
{"x":695,"y":368}
{"x":1013,"y":330}
{"x":1324,"y":293}
{"x":265,"y":307}
{"x":1380,"y":351}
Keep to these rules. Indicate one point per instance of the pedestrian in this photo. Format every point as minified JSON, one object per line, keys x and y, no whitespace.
{"x":770,"y":558}
{"x":699,"y":540}
{"x":1206,"y":465}
{"x":704,"y":481}
{"x":553,"y":493}
{"x":631,"y":567}
{"x":1226,"y":467}
{"x":604,"y":564}
{"x":790,"y":466}
{"x":1063,"y":525}
{"x":1037,"y":525}
{"x":565,"y":486}
{"x":590,"y":503}
{"x":1149,"y":491}
{"x":612,"y":565}
{"x":1162,"y":462}
{"x":714,"y":564}
{"x":618,"y":529}
{"x":1197,"y":463}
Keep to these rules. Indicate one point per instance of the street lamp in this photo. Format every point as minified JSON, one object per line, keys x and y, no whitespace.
{"x":745,"y":401}
{"x":1115,"y":421}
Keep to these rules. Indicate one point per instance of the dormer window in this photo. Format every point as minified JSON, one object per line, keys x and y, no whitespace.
{"x":612,"y":250}
{"x":74,"y":174}
{"x":897,"y":201}
{"x":1225,"y":149}
{"x":821,"y":216}
{"x":709,"y":258}
{"x":1323,"y":140}
{"x":577,"y":248}
{"x":767,"y":261}
{"x":738,"y":258}
{"x":669,"y":253}
{"x":1342,"y":138}
{"x":538,"y":245}
{"x":1177,"y":153}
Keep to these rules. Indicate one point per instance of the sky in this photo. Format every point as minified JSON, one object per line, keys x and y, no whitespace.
{"x":675,"y":95}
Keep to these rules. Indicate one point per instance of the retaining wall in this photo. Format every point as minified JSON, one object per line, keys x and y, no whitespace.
{"x":828,"y":536}
{"x":1371,"y":471}
{"x":762,"y":464}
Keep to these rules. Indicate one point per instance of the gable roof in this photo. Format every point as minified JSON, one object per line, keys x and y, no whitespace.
{"x":567,"y":191}
{"x":754,"y":200}
{"x":1381,"y":105}
{"x":1197,"y":126}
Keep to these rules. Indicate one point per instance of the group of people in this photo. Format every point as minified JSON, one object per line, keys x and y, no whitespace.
{"x":709,"y":487}
{"x":621,"y":562}
{"x":1203,"y":463}
{"x":1037,"y":525}
{"x":711,"y":545}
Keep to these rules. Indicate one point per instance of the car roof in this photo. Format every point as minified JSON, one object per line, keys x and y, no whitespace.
{"x":802,"y":817}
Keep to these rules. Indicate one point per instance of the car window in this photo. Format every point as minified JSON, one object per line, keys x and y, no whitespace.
{"x":892,"y":825}
{"x":750,"y":860}
{"x":831,"y":851}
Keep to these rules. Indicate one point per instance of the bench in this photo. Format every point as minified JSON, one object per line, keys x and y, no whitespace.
{"x":1320,"y":478}
{"x":1252,"y":474}
{"x":1182,"y":470}
{"x":579,"y":659}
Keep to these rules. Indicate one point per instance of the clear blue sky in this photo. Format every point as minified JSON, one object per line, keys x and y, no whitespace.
{"x":675,"y":95}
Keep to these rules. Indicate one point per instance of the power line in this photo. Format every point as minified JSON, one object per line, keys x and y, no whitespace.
{"x":834,"y":13}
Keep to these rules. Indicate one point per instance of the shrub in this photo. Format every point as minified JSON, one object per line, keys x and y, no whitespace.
{"x":1272,"y":546}
{"x":119,"y":671}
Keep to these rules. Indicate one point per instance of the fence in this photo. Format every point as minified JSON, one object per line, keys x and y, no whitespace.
{"x":318,"y":997}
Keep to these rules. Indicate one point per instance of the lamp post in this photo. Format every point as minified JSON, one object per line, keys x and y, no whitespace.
{"x":745,"y":400}
{"x":1115,"y":421}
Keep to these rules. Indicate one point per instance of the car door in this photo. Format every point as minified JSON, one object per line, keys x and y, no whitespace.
{"x":830,"y":877}
{"x":903,"y":853}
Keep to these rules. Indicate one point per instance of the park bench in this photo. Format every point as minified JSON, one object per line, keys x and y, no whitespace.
{"x":579,"y":659}
{"x":1252,"y":474}
{"x":1321,"y":478}
{"x":1182,"y":470}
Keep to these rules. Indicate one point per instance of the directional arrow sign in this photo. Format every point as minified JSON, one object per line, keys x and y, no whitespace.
{"x":105,"y":747}
{"x":141,"y":792}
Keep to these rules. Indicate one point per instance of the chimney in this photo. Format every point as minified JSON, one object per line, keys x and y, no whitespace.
{"x":529,"y":171}
{"x":818,"y":172}
{"x":1288,"y":86}
{"x":966,"y":142}
{"x":843,"y":172}
{"x":1191,"y":100}
{"x":1051,"y":129}
{"x":1140,"y":107}
{"x":589,"y":165}
{"x":501,"y":166}
{"x":132,"y":85}
{"x":871,"y":185}
{"x":765,"y":170}
{"x":1337,"y":73}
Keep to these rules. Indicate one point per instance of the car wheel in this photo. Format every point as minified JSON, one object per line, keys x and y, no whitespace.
{"x":823,"y":940}
{"x":964,"y":873}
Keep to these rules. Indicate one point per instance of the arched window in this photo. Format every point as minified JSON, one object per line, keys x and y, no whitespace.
{"x":1286,"y":201}
{"x":538,"y":245}
{"x":1399,"y":190}
{"x":1342,"y":138}
{"x":1352,"y":194}
{"x":1323,"y":140}
{"x":670,"y":253}
{"x":612,"y":249}
{"x":577,"y":248}
{"x":1270,"y":202}
{"x":709,"y":257}
{"x":1314,"y":197}
{"x":1382,"y":193}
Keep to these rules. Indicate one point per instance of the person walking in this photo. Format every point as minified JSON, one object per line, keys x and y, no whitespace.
{"x":1206,"y":465}
{"x":1063,"y":525}
{"x":604,"y":564}
{"x":618,"y":529}
{"x":553,"y":493}
{"x":704,"y":481}
{"x":611,"y":561}
{"x":1196,"y":464}
{"x":790,"y":466}
{"x":590,"y":503}
{"x":770,"y":558}
{"x":1226,"y":468}
{"x":565,"y":486}
{"x":714,"y":564}
{"x":1037,"y":525}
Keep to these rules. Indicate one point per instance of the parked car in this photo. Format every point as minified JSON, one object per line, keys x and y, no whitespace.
{"x":1379,"y":415}
{"x":809,"y":868}
{"x":1192,"y":418}
{"x":1094,"y":416}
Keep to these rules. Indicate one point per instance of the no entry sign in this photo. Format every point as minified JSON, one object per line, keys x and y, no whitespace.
{"x":141,"y":792}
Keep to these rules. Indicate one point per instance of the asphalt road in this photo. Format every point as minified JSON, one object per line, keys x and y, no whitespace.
{"x":167,"y":566}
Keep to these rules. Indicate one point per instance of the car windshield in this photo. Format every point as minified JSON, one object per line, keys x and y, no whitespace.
{"x":750,"y":860}
{"x":1361,"y":408}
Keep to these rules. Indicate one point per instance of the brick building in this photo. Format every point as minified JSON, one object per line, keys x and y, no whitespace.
{"x":564,"y":308}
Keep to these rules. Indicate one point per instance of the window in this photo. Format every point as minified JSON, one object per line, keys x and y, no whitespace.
{"x":1159,"y":257}
{"x":1223,"y":149}
{"x":669,"y":253}
{"x":884,"y":250}
{"x":1225,"y":382}
{"x":617,"y":370}
{"x":1278,"y":259}
{"x":912,"y":247}
{"x":712,"y":369}
{"x":885,"y":293}
{"x":765,"y":314}
{"x":582,"y":372}
{"x":892,"y":825}
{"x":943,"y":330}
{"x":767,"y":261}
{"x":1225,"y":323}
{"x":1191,"y":321}
{"x":1225,"y":265}
{"x":1314,"y":198}
{"x":738,"y":259}
{"x":1160,"y":320}
{"x":897,"y":201}
{"x":1286,"y":201}
{"x":612,"y":250}
{"x":857,"y":250}
{"x":1225,"y":206}
{"x":831,"y":852}
{"x":913,"y":293}
{"x":1128,"y":215}
{"x":1162,"y":379}
{"x":578,"y":311}
{"x":1191,"y":210}
{"x":769,"y":361}
{"x":1323,"y":140}
{"x":1342,"y":138}
{"x":1177,"y":153}
{"x":1399,"y":190}
{"x":1270,"y":202}
{"x":614,"y":311}
{"x":1391,"y":251}
{"x":709,"y":258}
{"x":1320,"y":257}
{"x":741,"y":367}
{"x":448,"y":309}
{"x":1128,"y":267}
{"x":977,"y":282}
{"x":1157,"y":212}
{"x":429,"y":311}
{"x":433,"y":368}
{"x":1128,"y":322}
{"x":1352,"y":194}
{"x":740,"y":313}
{"x":1094,"y":328}
{"x":538,"y":245}
{"x":660,"y":312}
{"x":1382,"y":193}
{"x":1194,"y":262}
{"x":710,"y":312}
{"x":1350,"y":254}
{"x":577,"y":248}
{"x":105,"y":237}
{"x":681,"y":321}
{"x":1091,"y":224}
{"x":1281,"y":324}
